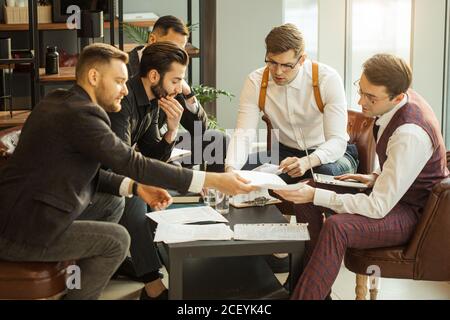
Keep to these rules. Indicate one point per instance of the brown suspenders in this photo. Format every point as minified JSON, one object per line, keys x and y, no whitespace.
{"x":315,"y":79}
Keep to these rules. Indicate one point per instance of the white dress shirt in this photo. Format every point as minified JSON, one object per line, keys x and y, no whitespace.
{"x":408,"y":150}
{"x":292,"y":110}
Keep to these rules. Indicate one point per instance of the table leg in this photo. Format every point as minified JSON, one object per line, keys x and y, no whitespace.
{"x":295,"y":260}
{"x":175,"y":277}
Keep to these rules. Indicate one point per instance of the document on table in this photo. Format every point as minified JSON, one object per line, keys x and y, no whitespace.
{"x":187,"y":215}
{"x":175,"y":233}
{"x":267,"y":180}
{"x":271,"y":231}
{"x":269,"y":168}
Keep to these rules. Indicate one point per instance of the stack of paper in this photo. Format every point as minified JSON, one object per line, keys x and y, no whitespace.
{"x":174,"y":233}
{"x":267,"y":180}
{"x":271,"y":231}
{"x":186,"y":215}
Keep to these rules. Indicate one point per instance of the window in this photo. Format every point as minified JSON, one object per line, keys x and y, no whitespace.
{"x":376,"y":27}
{"x":304,"y":14}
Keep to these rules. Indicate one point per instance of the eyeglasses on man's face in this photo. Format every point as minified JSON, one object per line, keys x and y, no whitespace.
{"x":285,"y":67}
{"x":372,"y":99}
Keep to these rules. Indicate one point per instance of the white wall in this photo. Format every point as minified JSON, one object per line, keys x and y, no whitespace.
{"x":428,"y":55}
{"x":241,"y":29}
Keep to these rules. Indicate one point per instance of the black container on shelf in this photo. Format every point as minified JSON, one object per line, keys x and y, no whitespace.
{"x":52,"y":61}
{"x":5,"y":48}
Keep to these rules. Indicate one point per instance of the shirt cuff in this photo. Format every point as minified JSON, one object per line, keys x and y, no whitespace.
{"x":322,"y":156}
{"x":192,"y":107}
{"x":124,"y":187}
{"x":198,"y":180}
{"x":323,"y":197}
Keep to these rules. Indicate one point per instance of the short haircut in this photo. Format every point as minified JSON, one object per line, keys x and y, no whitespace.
{"x":165,"y":23}
{"x":159,"y":56}
{"x":389,"y":71}
{"x":284,"y":38}
{"x":97,"y":54}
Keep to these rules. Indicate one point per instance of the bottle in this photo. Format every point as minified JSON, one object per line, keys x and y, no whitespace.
{"x":52,"y":61}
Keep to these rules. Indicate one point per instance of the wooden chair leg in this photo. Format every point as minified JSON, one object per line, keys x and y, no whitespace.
{"x":361,"y":287}
{"x":373,"y":293}
{"x":374,"y":285}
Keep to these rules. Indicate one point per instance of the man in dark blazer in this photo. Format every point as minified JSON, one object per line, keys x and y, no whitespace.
{"x":55,"y":171}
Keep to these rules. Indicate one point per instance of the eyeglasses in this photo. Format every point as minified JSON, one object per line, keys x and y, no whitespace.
{"x":369,"y":97}
{"x":285,"y":67}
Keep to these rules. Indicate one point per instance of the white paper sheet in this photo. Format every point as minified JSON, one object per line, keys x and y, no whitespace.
{"x":267,"y":180}
{"x":271,"y":231}
{"x":269,"y":168}
{"x":175,"y":233}
{"x":187,"y":215}
{"x":177,"y":154}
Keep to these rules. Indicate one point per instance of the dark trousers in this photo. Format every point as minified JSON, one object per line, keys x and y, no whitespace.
{"x":346,"y":164}
{"x":144,"y":253}
{"x":130,"y":213}
{"x":330,"y":239}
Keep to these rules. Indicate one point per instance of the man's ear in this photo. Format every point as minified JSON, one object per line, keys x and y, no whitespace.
{"x":302,"y":60}
{"x":399,"y":98}
{"x":151,"y":38}
{"x":93,"y":77}
{"x":153,"y":76}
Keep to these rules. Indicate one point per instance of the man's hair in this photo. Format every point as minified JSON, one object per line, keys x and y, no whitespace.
{"x":98,"y":54}
{"x":165,"y":23}
{"x":285,"y":38}
{"x":389,"y":71}
{"x":159,"y":56}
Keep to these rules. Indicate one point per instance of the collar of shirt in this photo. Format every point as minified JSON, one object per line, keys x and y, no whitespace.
{"x":136,"y":85}
{"x":80,"y":91}
{"x":384,"y":119}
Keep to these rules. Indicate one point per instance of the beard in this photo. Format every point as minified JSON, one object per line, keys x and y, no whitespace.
{"x":104,"y":99}
{"x":158,"y":90}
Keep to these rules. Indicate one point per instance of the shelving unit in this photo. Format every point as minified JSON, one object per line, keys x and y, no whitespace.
{"x":11,"y":117}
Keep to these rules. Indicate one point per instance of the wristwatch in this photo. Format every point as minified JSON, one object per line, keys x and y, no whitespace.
{"x":190,"y":95}
{"x":135,"y":189}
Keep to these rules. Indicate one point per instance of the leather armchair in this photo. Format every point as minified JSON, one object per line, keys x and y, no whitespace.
{"x":28,"y":280}
{"x":425,"y":257}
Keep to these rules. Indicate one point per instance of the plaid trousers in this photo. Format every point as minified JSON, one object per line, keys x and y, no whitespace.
{"x":330,"y":239}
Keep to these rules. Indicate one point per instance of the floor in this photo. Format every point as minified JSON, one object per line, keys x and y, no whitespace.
{"x":343,"y":289}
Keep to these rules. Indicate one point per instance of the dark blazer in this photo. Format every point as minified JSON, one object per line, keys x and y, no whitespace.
{"x":55,"y":169}
{"x":188,"y":118}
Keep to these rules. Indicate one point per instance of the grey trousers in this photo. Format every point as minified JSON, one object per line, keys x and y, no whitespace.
{"x":97,"y":247}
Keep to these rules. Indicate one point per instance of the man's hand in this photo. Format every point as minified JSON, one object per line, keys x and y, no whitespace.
{"x":157,"y":198}
{"x":295,"y":167}
{"x":303,"y":195}
{"x":229,"y":183}
{"x":173,"y":110}
{"x":367,"y":179}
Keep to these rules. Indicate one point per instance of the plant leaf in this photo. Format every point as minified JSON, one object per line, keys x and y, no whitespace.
{"x":135,"y":33}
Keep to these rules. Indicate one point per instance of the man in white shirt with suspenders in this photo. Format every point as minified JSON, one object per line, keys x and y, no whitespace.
{"x":301,"y":98}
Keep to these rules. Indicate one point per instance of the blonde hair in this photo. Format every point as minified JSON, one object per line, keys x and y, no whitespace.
{"x":98,"y":54}
{"x":284,"y":38}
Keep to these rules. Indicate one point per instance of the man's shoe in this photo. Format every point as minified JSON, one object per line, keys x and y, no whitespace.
{"x":162,"y":296}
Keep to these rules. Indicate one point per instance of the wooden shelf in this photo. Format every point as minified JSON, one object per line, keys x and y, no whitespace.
{"x":65,"y":74}
{"x":19,"y":118}
{"x":63,"y":26}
